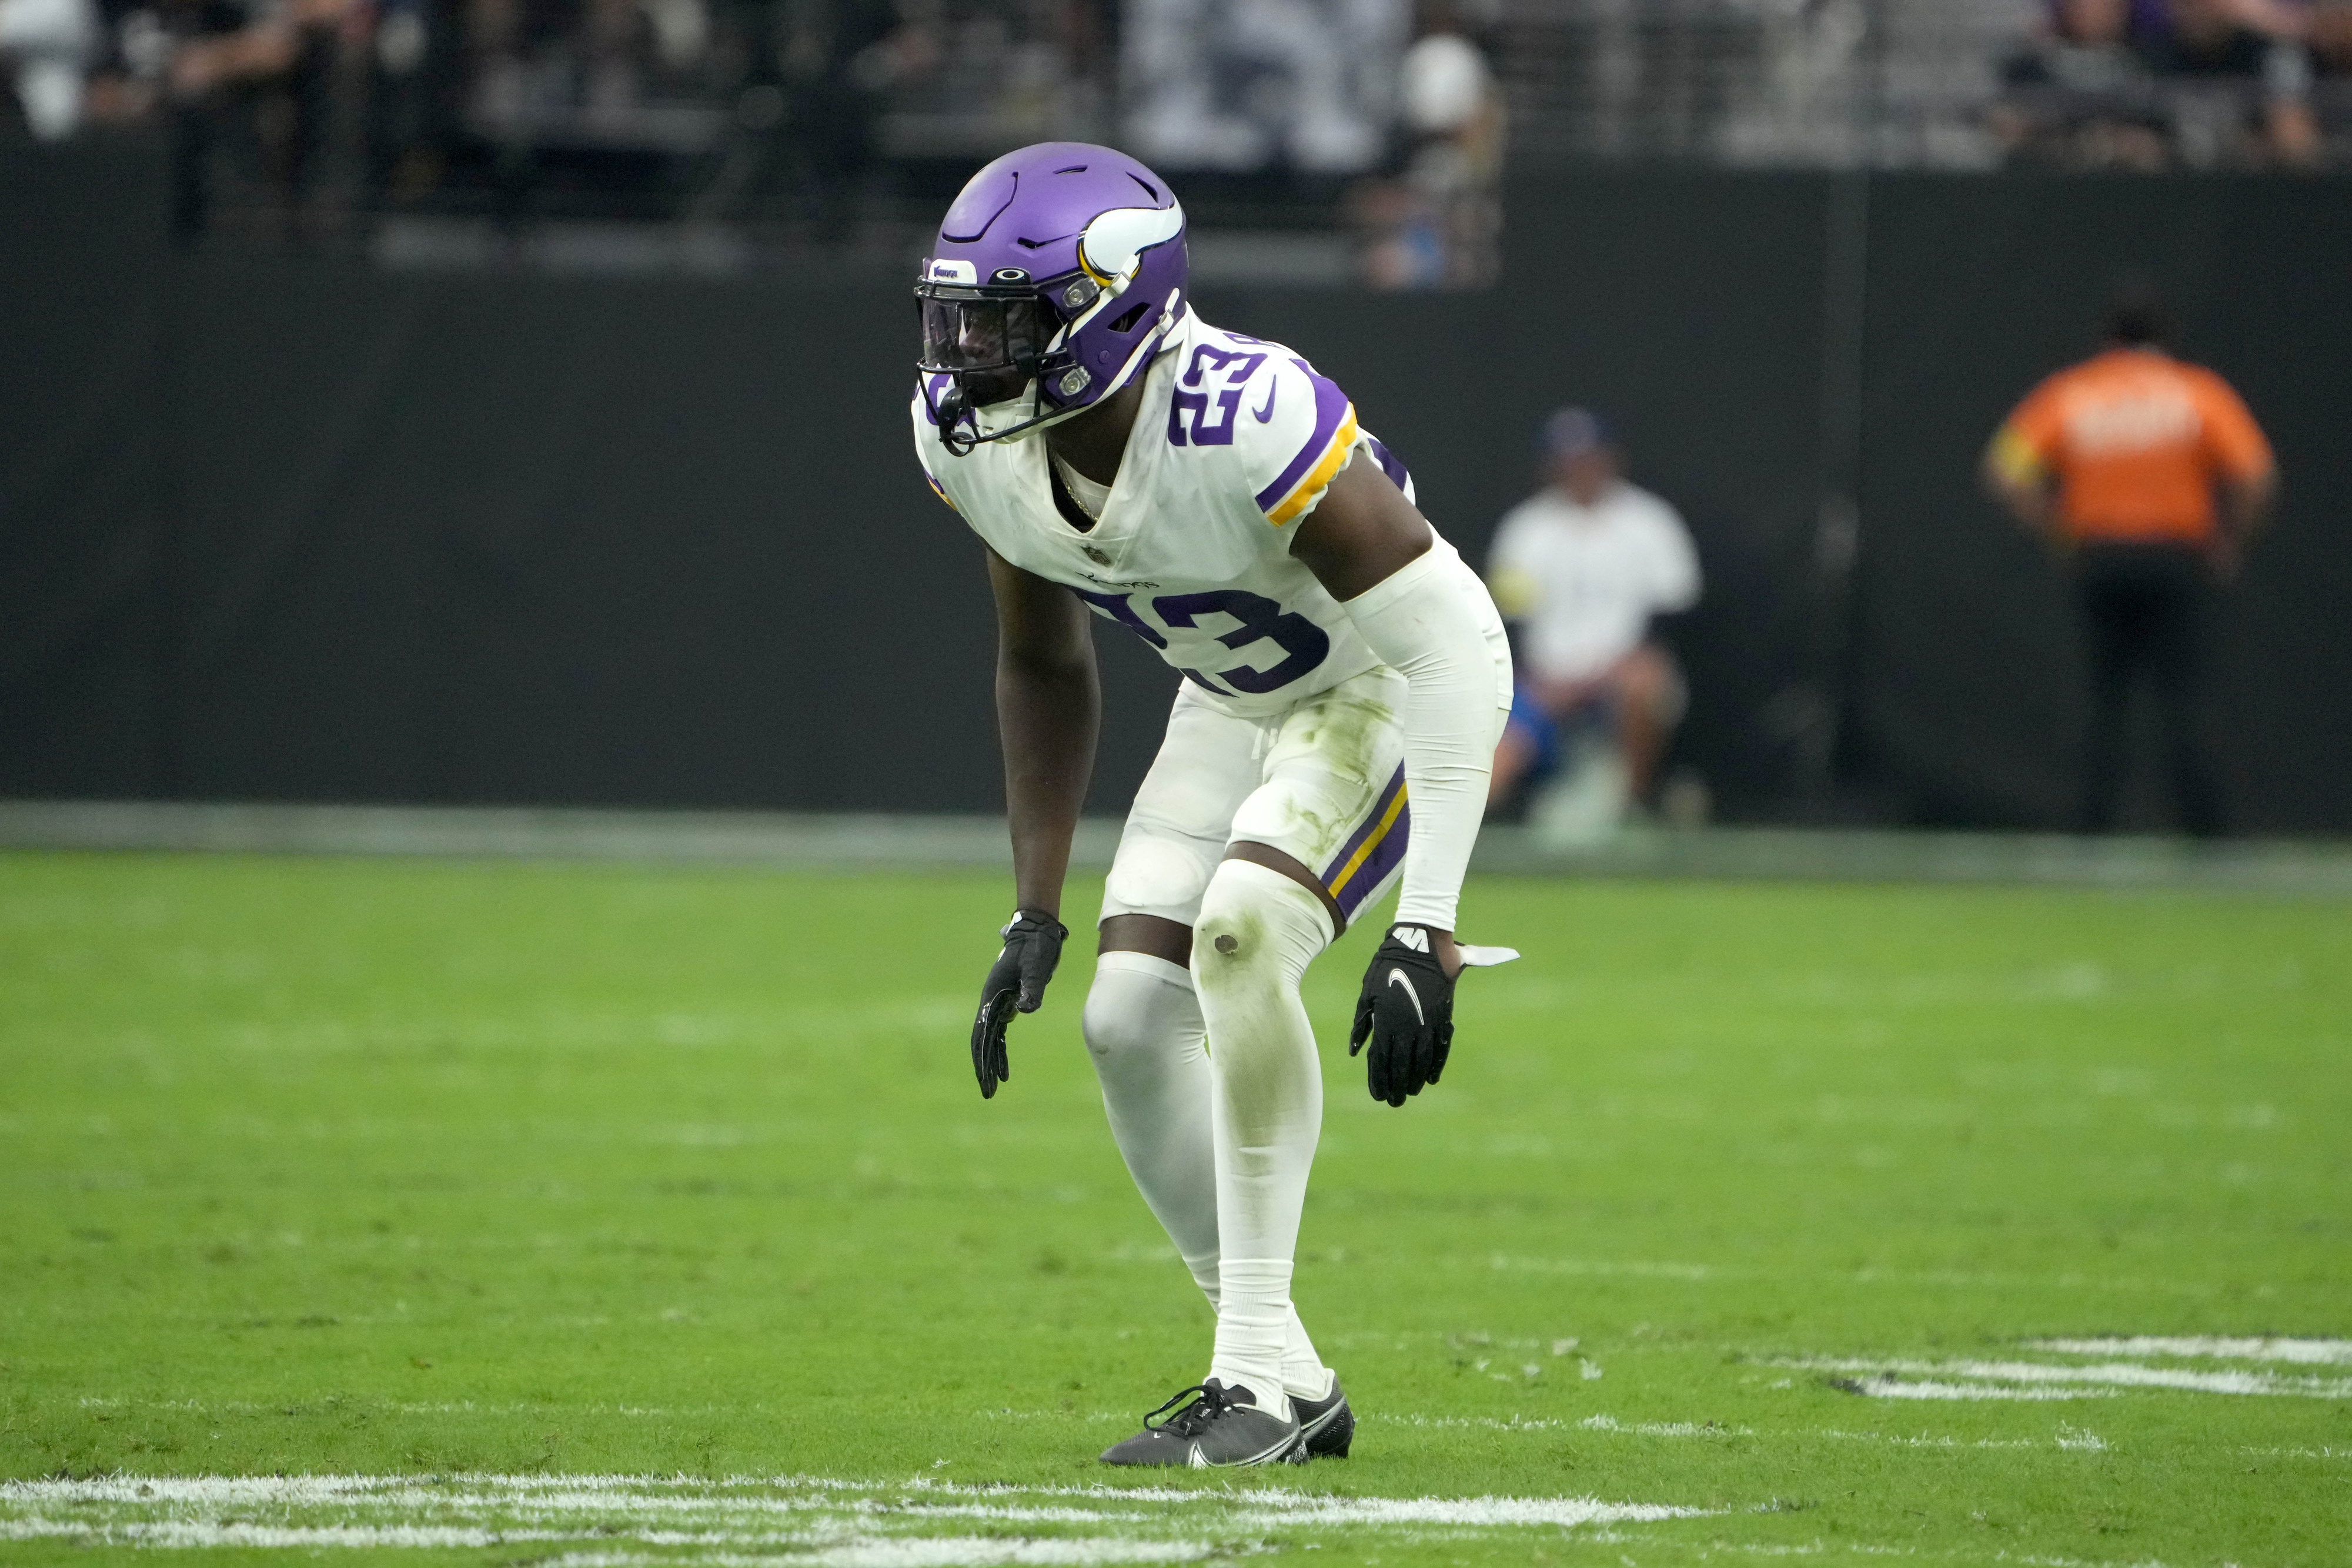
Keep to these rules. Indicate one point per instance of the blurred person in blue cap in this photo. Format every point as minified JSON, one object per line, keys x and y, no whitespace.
{"x":1578,"y":569}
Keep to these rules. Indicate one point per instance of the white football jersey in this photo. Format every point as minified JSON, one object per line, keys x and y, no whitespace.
{"x":1236,"y":442}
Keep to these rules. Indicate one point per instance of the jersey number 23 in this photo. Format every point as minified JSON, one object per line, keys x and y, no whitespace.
{"x":1256,"y":620}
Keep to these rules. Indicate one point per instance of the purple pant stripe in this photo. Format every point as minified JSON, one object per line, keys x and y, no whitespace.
{"x":1365,"y":830}
{"x":1376,"y":867}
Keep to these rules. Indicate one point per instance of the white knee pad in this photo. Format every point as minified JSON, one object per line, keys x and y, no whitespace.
{"x":1258,"y":928}
{"x":1139,"y":1006}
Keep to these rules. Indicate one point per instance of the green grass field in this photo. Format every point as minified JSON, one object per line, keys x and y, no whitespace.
{"x":505,"y":1213}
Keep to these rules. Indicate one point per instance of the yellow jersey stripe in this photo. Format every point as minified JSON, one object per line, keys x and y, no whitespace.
{"x":1335,"y":457}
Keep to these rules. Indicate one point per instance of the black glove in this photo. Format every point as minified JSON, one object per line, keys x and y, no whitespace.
{"x":1033,"y":948}
{"x":1406,"y":1010}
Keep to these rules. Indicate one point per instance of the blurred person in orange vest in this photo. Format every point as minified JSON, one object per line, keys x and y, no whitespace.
{"x":2146,"y":476}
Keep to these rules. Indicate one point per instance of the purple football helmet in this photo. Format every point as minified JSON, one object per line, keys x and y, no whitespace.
{"x":1055,"y":273}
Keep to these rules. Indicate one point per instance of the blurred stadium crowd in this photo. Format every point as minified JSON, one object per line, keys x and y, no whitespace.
{"x":1384,"y":118}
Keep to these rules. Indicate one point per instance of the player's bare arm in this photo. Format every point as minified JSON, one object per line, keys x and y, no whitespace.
{"x":1048,"y":710}
{"x":1362,"y":533}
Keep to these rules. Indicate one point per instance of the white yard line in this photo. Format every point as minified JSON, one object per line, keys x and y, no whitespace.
{"x":180,"y":1533}
{"x":918,"y":1552}
{"x":932,"y":1551}
{"x":1895,"y":1388}
{"x":2113,"y":1373}
{"x":1473,"y":1510}
{"x":2303,"y":1352}
{"x":808,"y":1520}
{"x":1663,"y":1428}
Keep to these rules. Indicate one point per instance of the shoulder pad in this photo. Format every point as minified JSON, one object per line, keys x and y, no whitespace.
{"x":1289,"y":428}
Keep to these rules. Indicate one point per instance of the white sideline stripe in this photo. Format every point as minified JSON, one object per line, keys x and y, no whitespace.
{"x":1481,"y":1511}
{"x":1548,"y":1424}
{"x":1663,"y":1428}
{"x":2304,"y":1352}
{"x":560,"y":1508}
{"x":917,"y":1552}
{"x":934,"y":1551}
{"x":478,"y":1511}
{"x":2117,"y":1374}
{"x":180,"y":1534}
{"x":569,"y":1493}
{"x":1895,"y":1388}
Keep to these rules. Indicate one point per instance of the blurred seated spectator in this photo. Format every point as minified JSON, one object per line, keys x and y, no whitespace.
{"x":1578,"y":569}
{"x":532,"y":57}
{"x":192,"y":62}
{"x":1440,"y":224}
{"x":1244,"y":85}
{"x":47,"y":45}
{"x":2080,"y":94}
{"x":2147,"y":84}
{"x":2251,"y":52}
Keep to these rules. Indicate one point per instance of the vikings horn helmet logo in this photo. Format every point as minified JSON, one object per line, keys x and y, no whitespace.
{"x":1054,"y":274}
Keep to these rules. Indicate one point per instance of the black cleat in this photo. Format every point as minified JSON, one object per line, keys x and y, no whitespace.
{"x":1326,"y":1424}
{"x":1223,"y":1427}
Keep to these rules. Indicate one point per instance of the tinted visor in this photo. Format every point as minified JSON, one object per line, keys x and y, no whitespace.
{"x":972,"y":333}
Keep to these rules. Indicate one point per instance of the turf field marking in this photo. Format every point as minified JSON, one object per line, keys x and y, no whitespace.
{"x":1664,"y":1428}
{"x":918,"y":1552}
{"x":798,"y":1521}
{"x":935,"y":1551}
{"x":1294,"y":1509}
{"x":201,"y":1534}
{"x":1549,"y":1424}
{"x":2303,"y":1352}
{"x":2000,"y":1379}
{"x":1896,"y":1388}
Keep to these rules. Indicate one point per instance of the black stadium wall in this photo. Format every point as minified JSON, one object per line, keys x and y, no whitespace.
{"x":300,"y":530}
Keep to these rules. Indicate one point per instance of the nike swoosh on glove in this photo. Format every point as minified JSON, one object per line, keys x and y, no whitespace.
{"x":1016,"y":983}
{"x":1406,"y":1013}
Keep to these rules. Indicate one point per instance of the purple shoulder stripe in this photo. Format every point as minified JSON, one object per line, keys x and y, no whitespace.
{"x":1390,"y":465}
{"x":1330,"y":408}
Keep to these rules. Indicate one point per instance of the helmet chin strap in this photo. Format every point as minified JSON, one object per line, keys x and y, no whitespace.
{"x":952,"y":411}
{"x":959,"y":422}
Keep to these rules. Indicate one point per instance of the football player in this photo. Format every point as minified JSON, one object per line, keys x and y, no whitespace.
{"x":1213,"y":495}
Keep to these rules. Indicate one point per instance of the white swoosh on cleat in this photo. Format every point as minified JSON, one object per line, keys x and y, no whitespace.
{"x":1396,"y":978}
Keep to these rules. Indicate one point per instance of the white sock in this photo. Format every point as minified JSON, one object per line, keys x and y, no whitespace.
{"x":1304,"y":1376}
{"x":1257,"y":932}
{"x":1144,"y":1031}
